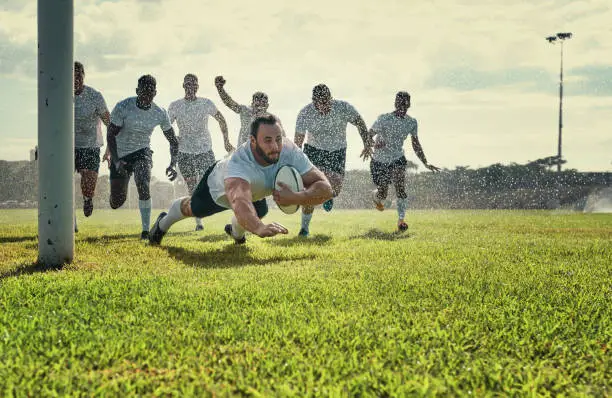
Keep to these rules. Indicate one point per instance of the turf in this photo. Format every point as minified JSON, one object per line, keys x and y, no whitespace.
{"x":481,"y":303}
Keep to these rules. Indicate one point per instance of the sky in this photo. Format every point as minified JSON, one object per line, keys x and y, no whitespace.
{"x":484,"y":81}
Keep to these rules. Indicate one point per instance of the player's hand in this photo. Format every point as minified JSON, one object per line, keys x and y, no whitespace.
{"x":285,"y":196}
{"x":120,"y":167}
{"x":219,"y":82}
{"x":171,"y":173}
{"x":366,"y":153}
{"x":267,"y":230}
{"x":107,"y":158}
{"x":229,"y":147}
{"x":379,"y":144}
{"x":432,"y":168}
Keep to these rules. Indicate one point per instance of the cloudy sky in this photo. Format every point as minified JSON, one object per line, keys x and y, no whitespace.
{"x":483,"y":79}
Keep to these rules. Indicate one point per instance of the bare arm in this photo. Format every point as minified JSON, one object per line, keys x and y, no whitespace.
{"x":174,"y":146}
{"x":317,"y":190}
{"x":105,"y":118}
{"x":223,"y":126}
{"x":111,"y":140}
{"x":365,"y":137}
{"x":225,"y":97}
{"x":418,"y":149}
{"x":239,"y":195}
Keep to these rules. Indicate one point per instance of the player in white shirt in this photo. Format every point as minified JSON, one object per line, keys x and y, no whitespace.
{"x":191,"y":115}
{"x":388,"y":160}
{"x":259,"y":107}
{"x":243,"y":180}
{"x":129,"y":140}
{"x":89,"y":109}
{"x":323,"y":124}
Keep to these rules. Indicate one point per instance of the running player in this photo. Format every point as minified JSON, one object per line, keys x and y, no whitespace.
{"x":323,"y":123}
{"x":129,"y":140}
{"x":388,"y":160}
{"x":89,"y":109}
{"x":195,"y":144}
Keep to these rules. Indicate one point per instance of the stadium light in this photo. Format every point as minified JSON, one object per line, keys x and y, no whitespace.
{"x":55,"y":132}
{"x":560,"y":37}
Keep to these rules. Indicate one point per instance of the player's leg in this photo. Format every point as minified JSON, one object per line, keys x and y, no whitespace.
{"x":399,"y":182}
{"x":118,"y":186}
{"x":187,"y":167}
{"x":142,"y":178}
{"x":381,"y":177}
{"x":201,"y":163}
{"x":334,"y":165}
{"x":199,"y":204}
{"x":89,"y":165}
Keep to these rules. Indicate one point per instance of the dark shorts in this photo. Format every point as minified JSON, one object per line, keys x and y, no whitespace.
{"x":141,"y":158}
{"x":334,"y":161}
{"x":203,"y":205}
{"x":87,"y":159}
{"x":382,"y":173}
{"x":193,"y":165}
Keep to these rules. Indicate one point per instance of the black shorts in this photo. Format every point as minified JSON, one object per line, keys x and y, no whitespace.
{"x":141,"y":158}
{"x":333,"y":161}
{"x":382,"y":173}
{"x":203,"y":205}
{"x":193,"y":165}
{"x":87,"y":159}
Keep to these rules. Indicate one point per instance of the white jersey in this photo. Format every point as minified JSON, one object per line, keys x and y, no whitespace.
{"x":242,"y":164}
{"x":246,"y":118}
{"x":393,"y":131}
{"x":137,"y":125}
{"x":89,"y":107}
{"x":326,"y":131}
{"x":192,"y":120}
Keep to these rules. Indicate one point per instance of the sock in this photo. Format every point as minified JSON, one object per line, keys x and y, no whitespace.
{"x":237,"y":230}
{"x":145,"y":213}
{"x":402,"y":205}
{"x":174,"y":215}
{"x":198,"y":221}
{"x":306,"y":220}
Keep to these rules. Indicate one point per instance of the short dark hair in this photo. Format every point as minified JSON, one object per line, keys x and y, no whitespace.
{"x":147,"y":81}
{"x":267,"y":118}
{"x":79,"y":68}
{"x":259,"y":95}
{"x":191,"y":76}
{"x":321,"y":91}
{"x":403,"y":94}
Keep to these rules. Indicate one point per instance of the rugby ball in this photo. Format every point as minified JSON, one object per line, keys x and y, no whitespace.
{"x":289,"y":175}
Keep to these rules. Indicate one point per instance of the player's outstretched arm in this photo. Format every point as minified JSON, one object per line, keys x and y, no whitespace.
{"x":239,"y":195}
{"x":317,"y":190}
{"x":174,"y":147}
{"x":223,"y":126}
{"x":225,"y":97}
{"x":418,"y":149}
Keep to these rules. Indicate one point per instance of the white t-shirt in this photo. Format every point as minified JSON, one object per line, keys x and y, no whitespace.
{"x":393,"y":131}
{"x":246,"y":118}
{"x":137,"y":125}
{"x":327,"y":132}
{"x":192,"y":120}
{"x":242,"y":164}
{"x":89,"y":106}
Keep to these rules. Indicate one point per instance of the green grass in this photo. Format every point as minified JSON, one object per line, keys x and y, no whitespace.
{"x":486,"y":303}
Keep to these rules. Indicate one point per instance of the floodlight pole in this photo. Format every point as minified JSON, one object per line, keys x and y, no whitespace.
{"x":551,"y":39}
{"x":55,"y":132}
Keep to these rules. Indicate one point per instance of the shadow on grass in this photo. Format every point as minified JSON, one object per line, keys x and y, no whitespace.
{"x":28,"y":269}
{"x":118,"y":237}
{"x":230,"y":256}
{"x":312,"y":240}
{"x":377,"y":234}
{"x":214,"y":238}
{"x":17,"y":239}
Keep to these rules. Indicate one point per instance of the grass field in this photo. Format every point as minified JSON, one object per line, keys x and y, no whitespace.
{"x":480,"y":303}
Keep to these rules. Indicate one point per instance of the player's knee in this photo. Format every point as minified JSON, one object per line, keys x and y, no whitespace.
{"x":262,"y":211}
{"x":144,"y":196}
{"x":116,"y":203}
{"x":401,"y":194}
